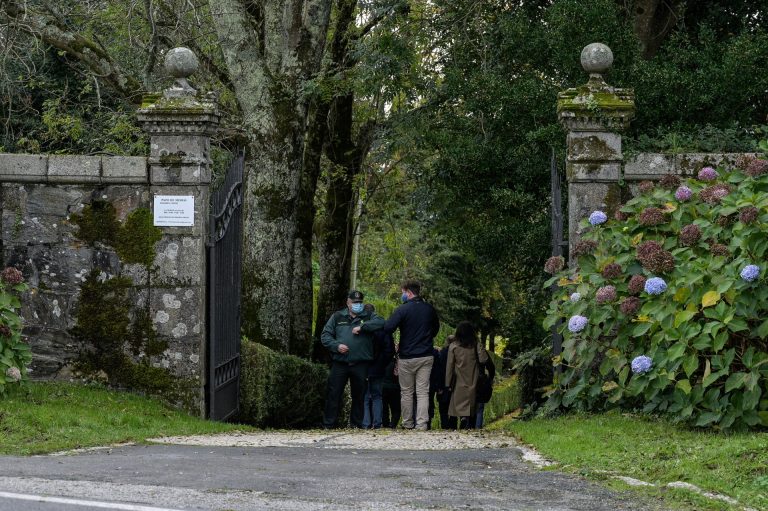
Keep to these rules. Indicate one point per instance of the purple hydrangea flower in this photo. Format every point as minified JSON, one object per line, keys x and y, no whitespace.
{"x":641,"y":364}
{"x":708,"y":174}
{"x":575,"y":297}
{"x":750,"y":272}
{"x":683,"y":194}
{"x":577,"y":323}
{"x":605,"y":294}
{"x":655,"y":286}
{"x":597,"y":218}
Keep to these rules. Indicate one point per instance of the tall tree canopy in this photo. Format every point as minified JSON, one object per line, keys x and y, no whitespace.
{"x":437,"y":118}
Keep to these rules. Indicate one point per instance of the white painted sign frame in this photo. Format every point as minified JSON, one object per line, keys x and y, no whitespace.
{"x":174,"y":211}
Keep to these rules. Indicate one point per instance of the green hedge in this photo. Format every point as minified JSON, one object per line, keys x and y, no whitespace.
{"x":505,"y":399}
{"x":279,"y":390}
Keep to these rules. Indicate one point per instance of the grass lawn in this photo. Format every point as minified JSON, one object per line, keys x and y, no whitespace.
{"x":48,"y":417}
{"x":655,"y":451}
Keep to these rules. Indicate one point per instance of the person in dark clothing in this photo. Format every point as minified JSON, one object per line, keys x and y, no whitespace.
{"x":348,"y":335}
{"x":383,"y":352}
{"x":444,"y":397}
{"x":490,"y":369}
{"x":418,"y":324}
{"x":466,"y":357}
{"x":390,"y":395}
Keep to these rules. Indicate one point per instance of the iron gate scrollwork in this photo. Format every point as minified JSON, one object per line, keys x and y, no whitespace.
{"x":224,"y":272}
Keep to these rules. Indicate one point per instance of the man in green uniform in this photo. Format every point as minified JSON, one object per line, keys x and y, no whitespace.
{"x":348,"y":335}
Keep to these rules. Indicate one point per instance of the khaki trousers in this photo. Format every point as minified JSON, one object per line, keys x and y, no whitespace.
{"x":415,"y":373}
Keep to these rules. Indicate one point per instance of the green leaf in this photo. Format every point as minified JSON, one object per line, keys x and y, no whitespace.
{"x":690,"y":364}
{"x":641,"y":328}
{"x":762,"y":330}
{"x":684,"y":385}
{"x":713,"y":377}
{"x":734,"y":381}
{"x":737,"y":325}
{"x":676,"y":351}
{"x":720,"y":340}
{"x":710,"y":298}
{"x":707,"y":418}
{"x":683,"y":317}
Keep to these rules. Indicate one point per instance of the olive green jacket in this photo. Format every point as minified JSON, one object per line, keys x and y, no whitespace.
{"x":338,"y":330}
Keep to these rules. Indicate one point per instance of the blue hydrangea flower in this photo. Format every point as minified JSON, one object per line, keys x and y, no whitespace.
{"x":655,"y":286}
{"x":750,"y":272}
{"x":575,"y":297}
{"x":641,"y":364}
{"x":577,"y":323}
{"x":597,"y":218}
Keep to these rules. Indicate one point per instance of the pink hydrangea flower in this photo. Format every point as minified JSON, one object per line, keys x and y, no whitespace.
{"x":708,"y":174}
{"x":683,"y":194}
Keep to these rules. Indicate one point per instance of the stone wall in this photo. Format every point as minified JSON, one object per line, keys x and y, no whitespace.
{"x":39,"y":195}
{"x":599,"y":176}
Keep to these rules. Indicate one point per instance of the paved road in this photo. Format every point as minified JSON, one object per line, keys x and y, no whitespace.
{"x":178,"y":477}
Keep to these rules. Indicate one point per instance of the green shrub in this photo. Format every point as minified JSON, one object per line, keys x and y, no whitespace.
{"x":505,"y":398}
{"x":704,"y":331}
{"x":279,"y":390}
{"x":15,"y":354}
{"x":534,"y":374}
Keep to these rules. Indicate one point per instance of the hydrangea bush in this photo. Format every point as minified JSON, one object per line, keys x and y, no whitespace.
{"x":672,"y":308}
{"x":15,"y":354}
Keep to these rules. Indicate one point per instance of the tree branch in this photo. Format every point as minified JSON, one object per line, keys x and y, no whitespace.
{"x":89,"y":53}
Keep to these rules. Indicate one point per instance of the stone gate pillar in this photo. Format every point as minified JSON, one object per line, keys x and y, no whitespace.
{"x":594,"y":115}
{"x":180,"y":122}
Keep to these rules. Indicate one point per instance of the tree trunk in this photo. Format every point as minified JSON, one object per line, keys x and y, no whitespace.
{"x":334,"y":232}
{"x":271,"y":49}
{"x":653,"y":22}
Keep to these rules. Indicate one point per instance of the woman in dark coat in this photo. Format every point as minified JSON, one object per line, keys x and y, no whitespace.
{"x":465,"y":358}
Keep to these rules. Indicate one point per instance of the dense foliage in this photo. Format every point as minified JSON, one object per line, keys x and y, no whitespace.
{"x":666,"y":309}
{"x":15,"y":354}
{"x":279,"y":390}
{"x":487,"y":127}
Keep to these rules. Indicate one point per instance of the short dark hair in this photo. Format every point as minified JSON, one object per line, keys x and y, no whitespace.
{"x":414,"y":286}
{"x":466,"y":334}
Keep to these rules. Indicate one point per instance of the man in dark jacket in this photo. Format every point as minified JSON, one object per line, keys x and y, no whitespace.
{"x":383,"y":352}
{"x":418,"y":324}
{"x":348,"y":335}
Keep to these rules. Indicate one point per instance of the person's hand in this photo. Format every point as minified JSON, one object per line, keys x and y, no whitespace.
{"x":343,"y":348}
{"x":356,"y":330}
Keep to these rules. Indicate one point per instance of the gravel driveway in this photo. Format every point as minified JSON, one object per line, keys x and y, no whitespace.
{"x":312,"y":470}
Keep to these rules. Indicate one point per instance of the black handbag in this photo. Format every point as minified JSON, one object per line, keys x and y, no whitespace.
{"x":484,"y":389}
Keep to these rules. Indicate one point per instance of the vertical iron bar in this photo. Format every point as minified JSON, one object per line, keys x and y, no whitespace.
{"x":557,"y":248}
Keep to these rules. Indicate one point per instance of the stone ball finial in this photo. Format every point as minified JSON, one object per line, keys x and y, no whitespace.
{"x":596,"y":58}
{"x":181,"y":62}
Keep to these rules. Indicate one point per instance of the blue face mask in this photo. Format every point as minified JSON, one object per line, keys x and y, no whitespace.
{"x":404,"y":297}
{"x":357,"y":307}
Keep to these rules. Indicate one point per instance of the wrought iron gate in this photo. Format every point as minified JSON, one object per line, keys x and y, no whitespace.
{"x":557,"y":237}
{"x":224,"y":271}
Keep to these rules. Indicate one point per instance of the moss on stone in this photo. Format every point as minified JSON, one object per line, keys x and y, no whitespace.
{"x":135,"y":241}
{"x":592,"y":148}
{"x":150,"y":99}
{"x":582,"y":99}
{"x":110,"y":333}
{"x":97,"y":222}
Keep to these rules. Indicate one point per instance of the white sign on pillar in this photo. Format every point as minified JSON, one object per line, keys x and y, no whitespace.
{"x":174,"y":211}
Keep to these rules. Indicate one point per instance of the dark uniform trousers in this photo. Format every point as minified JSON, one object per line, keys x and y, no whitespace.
{"x":356,"y":373}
